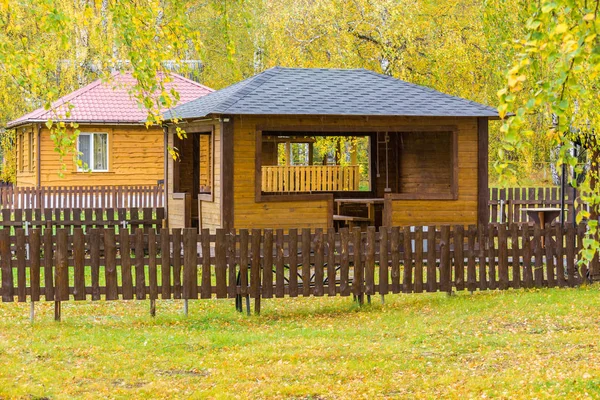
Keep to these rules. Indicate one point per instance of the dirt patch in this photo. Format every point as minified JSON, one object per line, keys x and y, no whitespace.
{"x":186,"y":372}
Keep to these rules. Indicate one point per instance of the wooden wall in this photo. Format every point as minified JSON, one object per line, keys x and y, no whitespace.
{"x":248,"y":213}
{"x":425,"y":162}
{"x":26,"y":165}
{"x":135,"y":157}
{"x":460,"y":211}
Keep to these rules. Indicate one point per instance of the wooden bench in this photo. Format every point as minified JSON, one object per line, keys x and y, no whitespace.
{"x":351,"y":221}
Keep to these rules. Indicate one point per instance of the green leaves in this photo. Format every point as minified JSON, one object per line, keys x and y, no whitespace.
{"x":555,"y":82}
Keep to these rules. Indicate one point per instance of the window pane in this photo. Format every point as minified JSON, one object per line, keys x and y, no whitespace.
{"x":100,"y":152}
{"x":84,"y":149}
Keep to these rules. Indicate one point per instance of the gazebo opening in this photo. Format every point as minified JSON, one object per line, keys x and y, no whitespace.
{"x":310,"y":163}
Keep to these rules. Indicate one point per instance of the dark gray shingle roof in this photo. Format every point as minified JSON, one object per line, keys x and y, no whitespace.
{"x":313,"y":91}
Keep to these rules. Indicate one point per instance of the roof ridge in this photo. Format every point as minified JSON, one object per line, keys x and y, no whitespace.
{"x":246,"y":89}
{"x":187,"y":80}
{"x":426,"y":88}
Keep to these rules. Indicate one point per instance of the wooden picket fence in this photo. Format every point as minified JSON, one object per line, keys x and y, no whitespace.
{"x":81,"y":218}
{"x":62,"y":197}
{"x":509,"y":205}
{"x":99,"y":264}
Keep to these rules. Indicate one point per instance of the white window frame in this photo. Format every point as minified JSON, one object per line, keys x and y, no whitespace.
{"x":90,"y":167}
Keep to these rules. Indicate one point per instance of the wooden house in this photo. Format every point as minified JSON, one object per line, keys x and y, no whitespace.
{"x":115,"y":146}
{"x":258,"y":154}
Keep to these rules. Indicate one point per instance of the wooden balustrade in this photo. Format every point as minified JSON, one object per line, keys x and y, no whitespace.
{"x":310,"y":178}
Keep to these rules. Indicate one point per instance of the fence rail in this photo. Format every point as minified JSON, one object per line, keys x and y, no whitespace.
{"x":310,"y":178}
{"x":61,"y":197}
{"x":183,"y":264}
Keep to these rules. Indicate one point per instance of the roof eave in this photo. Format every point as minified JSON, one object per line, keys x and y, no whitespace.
{"x":80,"y":122}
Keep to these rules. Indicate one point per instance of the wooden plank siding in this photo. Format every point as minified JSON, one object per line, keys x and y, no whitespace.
{"x":26,"y":165}
{"x":135,"y":157}
{"x":460,"y":211}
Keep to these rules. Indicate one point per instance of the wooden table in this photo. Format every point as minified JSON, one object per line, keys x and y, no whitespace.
{"x":369,"y":203}
{"x":542,"y":216}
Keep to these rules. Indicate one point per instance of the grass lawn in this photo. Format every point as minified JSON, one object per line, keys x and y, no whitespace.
{"x":517,"y":344}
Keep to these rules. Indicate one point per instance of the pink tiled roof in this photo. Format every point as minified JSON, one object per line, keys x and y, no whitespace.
{"x":109,"y":102}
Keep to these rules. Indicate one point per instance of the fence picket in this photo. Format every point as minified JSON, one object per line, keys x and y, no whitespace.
{"x":319,"y":262}
{"x":431,"y":259}
{"x":306,"y":270}
{"x":384,"y":261}
{"x":34,"y":269}
{"x":232,"y":263}
{"x":79,"y":264}
{"x":177,"y":263}
{"x":502,"y":257}
{"x":48,"y":263}
{"x":471,"y":271}
{"x":20,"y":261}
{"x":516,"y":252}
{"x":538,"y":272}
{"x":263,"y":270}
{"x":110,"y":267}
{"x":331,"y":260}
{"x":255,"y":274}
{"x":190,"y":273}
{"x":344,"y":262}
{"x":152,"y":271}
{"x":293,"y":261}
{"x":551,"y":278}
{"x":244,"y":263}
{"x":459,"y":257}
{"x":369,"y":267}
{"x":358,"y":278}
{"x":527,"y":272}
{"x":61,"y":268}
{"x":445,"y":271}
{"x":221,"y":263}
{"x":279,"y":264}
{"x":205,"y":280}
{"x":267,"y":283}
{"x":407,"y":259}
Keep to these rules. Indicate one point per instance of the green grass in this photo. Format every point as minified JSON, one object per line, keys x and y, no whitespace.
{"x":512,"y":344}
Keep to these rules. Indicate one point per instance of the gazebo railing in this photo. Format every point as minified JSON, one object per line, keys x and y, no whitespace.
{"x":310,"y":178}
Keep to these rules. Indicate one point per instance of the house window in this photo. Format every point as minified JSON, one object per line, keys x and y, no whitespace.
{"x":93,"y":152}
